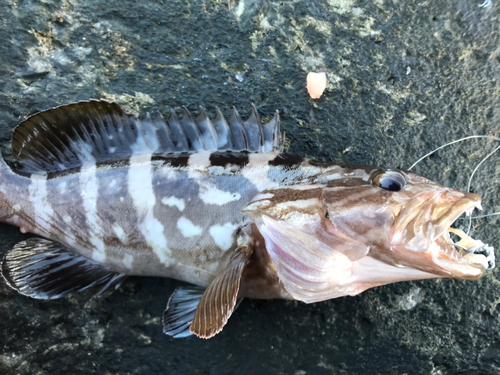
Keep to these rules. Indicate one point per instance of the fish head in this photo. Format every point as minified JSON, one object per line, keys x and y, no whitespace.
{"x":406,"y":221}
{"x":367,"y":228}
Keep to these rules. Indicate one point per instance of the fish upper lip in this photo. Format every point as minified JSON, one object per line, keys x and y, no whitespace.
{"x":446,"y":219}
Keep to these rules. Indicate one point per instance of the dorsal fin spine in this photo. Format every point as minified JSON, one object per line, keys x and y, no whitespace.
{"x":222,"y":129}
{"x":191,"y":131}
{"x":251,"y":124}
{"x":237,"y":129}
{"x":164,"y":132}
{"x":177,"y":132}
{"x":86,"y":132}
{"x":186,"y":114}
{"x":208,"y":132}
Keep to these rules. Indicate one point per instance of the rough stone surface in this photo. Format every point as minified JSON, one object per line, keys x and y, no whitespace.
{"x":403,"y":78}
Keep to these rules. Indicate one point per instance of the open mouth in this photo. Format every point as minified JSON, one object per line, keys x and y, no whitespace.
{"x":467,"y":249}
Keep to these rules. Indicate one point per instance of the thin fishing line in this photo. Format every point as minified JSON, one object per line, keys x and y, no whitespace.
{"x":487,"y":215}
{"x":451,"y":143}
{"x":470,"y":181}
{"x":474,"y":171}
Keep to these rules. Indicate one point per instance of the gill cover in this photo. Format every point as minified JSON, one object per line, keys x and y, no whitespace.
{"x":312,"y":263}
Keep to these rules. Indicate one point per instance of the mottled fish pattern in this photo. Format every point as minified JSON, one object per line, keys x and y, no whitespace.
{"x":209,"y":202}
{"x":154,"y":216}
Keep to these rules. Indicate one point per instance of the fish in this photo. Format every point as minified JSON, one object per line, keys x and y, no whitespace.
{"x":217,"y":204}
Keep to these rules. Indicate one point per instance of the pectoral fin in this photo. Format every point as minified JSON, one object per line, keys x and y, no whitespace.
{"x":221,"y":297}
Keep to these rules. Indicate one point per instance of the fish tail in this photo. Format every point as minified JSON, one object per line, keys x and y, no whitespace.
{"x":4,"y":182}
{"x":7,"y":173}
{"x":3,"y":165}
{"x":10,"y":191}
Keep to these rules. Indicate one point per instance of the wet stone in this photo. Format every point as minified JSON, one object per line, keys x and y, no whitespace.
{"x":403,"y":78}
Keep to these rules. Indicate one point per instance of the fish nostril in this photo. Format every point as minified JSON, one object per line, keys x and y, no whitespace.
{"x":448,"y":195}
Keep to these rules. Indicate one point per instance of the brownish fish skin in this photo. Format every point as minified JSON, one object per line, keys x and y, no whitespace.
{"x":220,"y":206}
{"x":259,"y":279}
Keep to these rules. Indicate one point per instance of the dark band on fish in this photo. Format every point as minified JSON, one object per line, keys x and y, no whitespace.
{"x":173,"y":160}
{"x":287,"y":161}
{"x":222,"y":159}
{"x":101,"y":165}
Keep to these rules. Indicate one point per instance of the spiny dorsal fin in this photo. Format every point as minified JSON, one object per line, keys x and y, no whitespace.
{"x":221,"y":297}
{"x":44,"y":269}
{"x":98,"y":131}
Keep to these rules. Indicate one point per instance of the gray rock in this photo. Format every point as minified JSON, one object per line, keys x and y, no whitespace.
{"x":404,"y":77}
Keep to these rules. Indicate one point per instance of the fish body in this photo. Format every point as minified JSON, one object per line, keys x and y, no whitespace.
{"x":175,"y":217}
{"x":217,"y":204}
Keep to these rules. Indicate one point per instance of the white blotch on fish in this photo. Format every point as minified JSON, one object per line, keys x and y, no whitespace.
{"x":120,"y":234}
{"x":222,"y":235}
{"x":128,"y":261}
{"x":210,"y":194}
{"x":198,"y":164}
{"x":174,"y":202}
{"x":62,"y":187}
{"x":38,"y":198}
{"x":90,"y":192}
{"x":141,"y":190}
{"x":257,"y":173}
{"x":187,"y":228}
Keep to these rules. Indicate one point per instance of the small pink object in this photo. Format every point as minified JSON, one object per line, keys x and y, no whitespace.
{"x":316,"y":84}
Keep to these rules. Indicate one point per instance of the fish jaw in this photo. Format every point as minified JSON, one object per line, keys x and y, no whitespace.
{"x":409,"y":228}
{"x":433,"y":250}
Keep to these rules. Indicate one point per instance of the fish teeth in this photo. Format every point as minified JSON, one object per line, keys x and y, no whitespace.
{"x":473,"y":251}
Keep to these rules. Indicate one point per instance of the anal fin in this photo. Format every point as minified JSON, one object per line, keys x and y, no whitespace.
{"x":221,"y":297}
{"x":44,"y":269}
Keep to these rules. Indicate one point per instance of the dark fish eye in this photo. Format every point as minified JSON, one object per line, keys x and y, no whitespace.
{"x":390,"y":180}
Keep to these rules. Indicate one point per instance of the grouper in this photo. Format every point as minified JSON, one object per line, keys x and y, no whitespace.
{"x":217,"y":204}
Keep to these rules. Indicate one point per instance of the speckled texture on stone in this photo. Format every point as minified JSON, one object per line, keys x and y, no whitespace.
{"x":403,"y":78}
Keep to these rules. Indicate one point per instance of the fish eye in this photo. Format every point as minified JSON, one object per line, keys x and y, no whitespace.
{"x":390,"y":180}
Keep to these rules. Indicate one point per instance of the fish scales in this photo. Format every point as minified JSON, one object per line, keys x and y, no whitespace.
{"x":108,"y":212}
{"x":217,"y":204}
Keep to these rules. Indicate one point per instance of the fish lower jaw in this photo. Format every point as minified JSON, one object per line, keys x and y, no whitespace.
{"x":467,"y":251}
{"x":477,"y":259}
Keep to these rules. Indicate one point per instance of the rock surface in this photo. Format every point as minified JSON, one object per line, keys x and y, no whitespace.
{"x":403,"y":78}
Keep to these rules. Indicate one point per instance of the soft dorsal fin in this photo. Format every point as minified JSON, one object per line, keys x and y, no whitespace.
{"x":44,"y":269}
{"x":97,"y":131}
